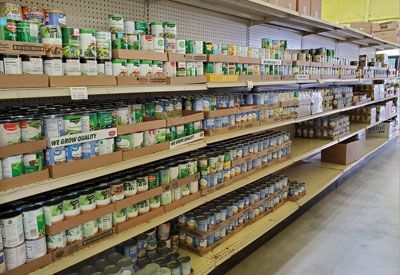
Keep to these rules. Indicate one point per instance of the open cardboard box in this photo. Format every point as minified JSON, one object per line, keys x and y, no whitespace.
{"x":136,"y":153}
{"x":80,"y":219}
{"x":141,"y":55}
{"x":32,"y":265}
{"x":78,"y":81}
{"x":22,"y":148}
{"x":139,"y":219}
{"x":7,"y":184}
{"x":343,"y":153}
{"x":222,"y":58}
{"x":173,"y":57}
{"x":188,"y":116}
{"x":249,"y":77}
{"x":141,"y":80}
{"x":82,"y":165}
{"x":187,"y":80}
{"x":142,"y":126}
{"x":221,"y":112}
{"x":249,"y":60}
{"x":271,"y":77}
{"x":131,"y":200}
{"x":23,"y":81}
{"x":21,"y":48}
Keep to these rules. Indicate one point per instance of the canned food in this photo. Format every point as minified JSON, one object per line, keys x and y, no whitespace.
{"x":170,"y":30}
{"x":8,"y":29}
{"x":71,"y":206}
{"x":12,"y":167}
{"x":15,"y":256}
{"x":57,"y":241}
{"x":33,"y":221}
{"x":52,"y":40}
{"x":53,"y":211}
{"x":36,"y":248}
{"x":10,"y":11}
{"x":56,"y":18}
{"x":10,"y":132}
{"x":103,"y":45}
{"x":12,"y":230}
{"x":28,"y":31}
{"x":116,"y":23}
{"x":33,"y":14}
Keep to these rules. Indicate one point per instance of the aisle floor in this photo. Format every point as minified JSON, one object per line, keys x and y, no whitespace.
{"x":354,"y":230}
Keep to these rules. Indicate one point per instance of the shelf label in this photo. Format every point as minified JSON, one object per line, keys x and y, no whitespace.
{"x":184,"y":140}
{"x":55,"y":142}
{"x":271,"y":61}
{"x":78,"y":93}
{"x":302,"y":77}
{"x":250,"y":84}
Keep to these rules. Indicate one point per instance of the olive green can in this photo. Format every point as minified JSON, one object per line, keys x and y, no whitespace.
{"x":189,"y":129}
{"x":8,"y":29}
{"x":27,"y":31}
{"x":189,"y":46}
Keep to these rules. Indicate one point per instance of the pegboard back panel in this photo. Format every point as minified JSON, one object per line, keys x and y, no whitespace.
{"x":347,"y":50}
{"x":92,"y":14}
{"x":315,"y":41}
{"x":275,"y":33}
{"x":200,"y":24}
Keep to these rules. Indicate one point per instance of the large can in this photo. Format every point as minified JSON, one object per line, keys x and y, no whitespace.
{"x":33,"y":162}
{"x":141,"y":28}
{"x":129,"y":27}
{"x":28,"y":31}
{"x":70,"y":42}
{"x":103,"y":41}
{"x":169,"y":30}
{"x":12,"y":229}
{"x":34,"y":14}
{"x":88,"y":48}
{"x":52,"y":39}
{"x":10,"y":11}
{"x":10,"y":132}
{"x":119,"y":41}
{"x":12,"y":166}
{"x":33,"y":221}
{"x":116,"y":23}
{"x":8,"y":29}
{"x":56,"y":18}
{"x":15,"y":256}
{"x":36,"y":248}
{"x":157,"y":29}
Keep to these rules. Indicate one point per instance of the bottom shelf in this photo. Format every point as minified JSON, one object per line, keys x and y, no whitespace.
{"x":317,"y":175}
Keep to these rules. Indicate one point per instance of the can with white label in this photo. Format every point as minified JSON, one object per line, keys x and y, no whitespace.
{"x":36,"y":248}
{"x":15,"y":256}
{"x":12,"y":229}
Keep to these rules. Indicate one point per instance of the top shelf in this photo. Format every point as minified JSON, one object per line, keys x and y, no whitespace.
{"x":260,"y":12}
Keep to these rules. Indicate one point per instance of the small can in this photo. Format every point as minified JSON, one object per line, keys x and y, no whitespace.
{"x":12,"y":230}
{"x":10,"y":132}
{"x":157,"y":29}
{"x":88,"y":48}
{"x":158,"y":44}
{"x":102,"y":194}
{"x":28,"y":31}
{"x":88,"y":67}
{"x":12,"y":166}
{"x":72,"y":123}
{"x":132,"y":211}
{"x":117,"y":190}
{"x":141,"y":245}
{"x":33,"y":162}
{"x":170,"y":30}
{"x":10,"y":11}
{"x":145,"y":68}
{"x":15,"y":256}
{"x":119,"y":41}
{"x":58,"y":240}
{"x":53,"y":211}
{"x":53,"y":66}
{"x":71,"y":207}
{"x":116,"y":23}
{"x":163,"y":231}
{"x":33,"y":14}
{"x":170,"y":68}
{"x":208,"y":48}
{"x":72,"y":67}
{"x":73,"y":152}
{"x":103,"y":45}
{"x":90,"y":228}
{"x":12,"y":65}
{"x":131,"y":250}
{"x":104,"y":67}
{"x":190,"y":68}
{"x":146,"y":42}
{"x":133,"y":67}
{"x":55,"y":156}
{"x":151,"y":239}
{"x":119,"y":67}
{"x":142,"y":28}
{"x":74,"y":234}
{"x":133,"y":41}
{"x":35,"y":248}
{"x":105,"y":222}
{"x":106,"y":146}
{"x":56,"y":18}
{"x":8,"y":29}
{"x":87,"y":200}
{"x":180,"y":69}
{"x":180,"y":46}
{"x":129,"y":27}
{"x":70,"y":42}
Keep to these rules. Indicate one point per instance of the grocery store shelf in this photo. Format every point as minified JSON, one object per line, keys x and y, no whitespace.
{"x":304,"y":172}
{"x":246,"y":131}
{"x":52,"y":184}
{"x":260,"y":12}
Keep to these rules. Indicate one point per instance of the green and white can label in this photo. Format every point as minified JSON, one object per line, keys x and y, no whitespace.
{"x":166,"y":197}
{"x":90,"y":229}
{"x":36,"y":248}
{"x":119,"y":216}
{"x":12,"y":65}
{"x":53,"y":67}
{"x":103,"y":40}
{"x":15,"y":256}
{"x":53,"y":212}
{"x":116,"y":23}
{"x":102,"y":195}
{"x":34,"y":223}
{"x":106,"y":146}
{"x":132,"y":211}
{"x":88,"y":44}
{"x":10,"y":133}
{"x":74,"y":234}
{"x":12,"y":167}
{"x":31,"y":130}
{"x":71,"y":206}
{"x":105,"y":222}
{"x":12,"y":230}
{"x":155,"y":203}
{"x":169,"y":30}
{"x":144,"y":207}
{"x":130,"y":187}
{"x":87,"y":201}
{"x":57,"y":241}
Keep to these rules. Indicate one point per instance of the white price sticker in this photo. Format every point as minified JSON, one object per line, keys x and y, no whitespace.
{"x":250,"y":84}
{"x":78,"y":93}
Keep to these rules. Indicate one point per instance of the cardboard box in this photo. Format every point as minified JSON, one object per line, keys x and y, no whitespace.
{"x":288,"y":4}
{"x":221,"y":112}
{"x":362,"y":26}
{"x":142,"y":126}
{"x":136,"y":153}
{"x":182,"y":201}
{"x":82,"y":81}
{"x":188,"y":116}
{"x":23,"y":81}
{"x":249,"y":60}
{"x":21,"y":48}
{"x":32,"y":265}
{"x":141,"y":55}
{"x":8,"y":184}
{"x":187,"y":80}
{"x":80,"y":219}
{"x":249,"y":78}
{"x":141,"y":80}
{"x":303,"y":6}
{"x":82,"y":165}
{"x":139,"y":219}
{"x":22,"y":148}
{"x":68,"y":250}
{"x":315,"y":8}
{"x":131,"y":200}
{"x":386,"y":26}
{"x":222,"y":58}
{"x":382,"y":130}
{"x":390,"y":36}
{"x":222,"y":78}
{"x":343,"y":153}
{"x":186,"y":57}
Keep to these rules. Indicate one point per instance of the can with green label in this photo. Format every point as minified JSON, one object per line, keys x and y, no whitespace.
{"x":116,"y":23}
{"x":27,"y":31}
{"x":8,"y":29}
{"x":103,"y":43}
{"x":189,"y":46}
{"x":265,"y":43}
{"x":119,"y":41}
{"x":208,"y":48}
{"x":142,"y":28}
{"x":133,"y":41}
{"x":33,"y":162}
{"x":70,"y":42}
{"x":88,"y":44}
{"x":189,"y":129}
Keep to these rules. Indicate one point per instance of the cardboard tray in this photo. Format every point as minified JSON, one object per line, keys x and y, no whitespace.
{"x":222,"y":78}
{"x":248,"y":60}
{"x":141,"y":55}
{"x":187,"y":80}
{"x":136,"y":153}
{"x":22,"y":148}
{"x":221,"y":112}
{"x":82,"y":165}
{"x":222,"y":58}
{"x":139,"y":219}
{"x":301,"y":63}
{"x":82,"y":81}
{"x":131,"y":200}
{"x":186,"y":57}
{"x":142,"y":126}
{"x":271,"y":77}
{"x":32,"y":265}
{"x":23,"y":81}
{"x":141,"y":80}
{"x":188,"y":116}
{"x":181,"y":182}
{"x":21,"y":48}
{"x":249,"y":77}
{"x":348,"y":76}
{"x":8,"y":184}
{"x":182,"y":201}
{"x":80,"y":219}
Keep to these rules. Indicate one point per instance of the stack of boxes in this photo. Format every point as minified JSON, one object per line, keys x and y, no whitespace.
{"x":389,"y":31}
{"x":307,"y":7}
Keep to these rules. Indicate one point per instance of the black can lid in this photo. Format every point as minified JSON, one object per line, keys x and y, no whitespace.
{"x":10,"y":214}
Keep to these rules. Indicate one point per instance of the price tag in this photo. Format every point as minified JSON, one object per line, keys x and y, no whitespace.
{"x":78,"y":93}
{"x":250,"y":84}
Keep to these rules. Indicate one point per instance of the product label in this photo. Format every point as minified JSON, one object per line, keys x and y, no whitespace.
{"x":33,"y":224}
{"x":54,"y":142}
{"x":89,"y":68}
{"x":33,"y":66}
{"x":12,"y":65}
{"x":72,"y":67}
{"x":53,"y":67}
{"x":12,"y":231}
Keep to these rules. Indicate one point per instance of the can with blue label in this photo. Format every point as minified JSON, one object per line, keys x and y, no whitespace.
{"x":90,"y":149}
{"x":141,"y":246}
{"x":130,"y":250}
{"x":55,"y":156}
{"x":73,"y":152}
{"x":56,"y":18}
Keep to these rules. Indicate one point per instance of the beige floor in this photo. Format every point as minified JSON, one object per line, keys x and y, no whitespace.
{"x":354,"y":230}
